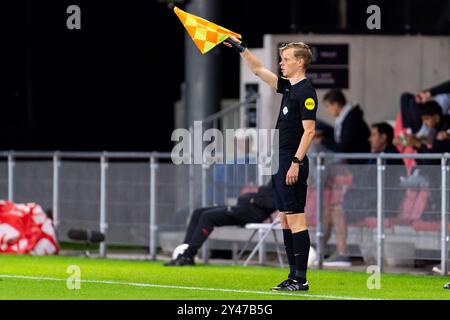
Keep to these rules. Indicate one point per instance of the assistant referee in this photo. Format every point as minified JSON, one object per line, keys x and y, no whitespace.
{"x":296,"y":125}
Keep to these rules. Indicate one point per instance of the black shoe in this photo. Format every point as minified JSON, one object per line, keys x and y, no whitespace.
{"x":283,"y":284}
{"x":292,"y":285}
{"x":182,"y":260}
{"x":447,"y":286}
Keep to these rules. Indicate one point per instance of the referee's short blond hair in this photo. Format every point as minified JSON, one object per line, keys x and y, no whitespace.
{"x":301,"y":51}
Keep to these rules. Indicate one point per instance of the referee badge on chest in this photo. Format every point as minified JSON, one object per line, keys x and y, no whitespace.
{"x":285,"y":110}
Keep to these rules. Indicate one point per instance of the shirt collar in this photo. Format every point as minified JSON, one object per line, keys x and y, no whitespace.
{"x":344,"y":112}
{"x":304,"y":79}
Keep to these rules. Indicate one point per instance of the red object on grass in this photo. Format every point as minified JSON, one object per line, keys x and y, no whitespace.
{"x":26,"y":229}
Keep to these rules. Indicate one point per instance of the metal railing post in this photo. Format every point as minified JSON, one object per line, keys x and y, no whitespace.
{"x":11,"y":165}
{"x":205,"y":247}
{"x":319,"y":228}
{"x":56,"y":165}
{"x":103,"y":219}
{"x":191,"y":190}
{"x":214,"y":190}
{"x":380,"y":215}
{"x":153,"y":228}
{"x":225,"y":181}
{"x":191,"y":174}
{"x":444,"y":217}
{"x":259,"y":171}
{"x":259,"y":168}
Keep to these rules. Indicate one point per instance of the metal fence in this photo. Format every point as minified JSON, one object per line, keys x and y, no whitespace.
{"x":133,"y":198}
{"x":389,"y":214}
{"x":140,"y":198}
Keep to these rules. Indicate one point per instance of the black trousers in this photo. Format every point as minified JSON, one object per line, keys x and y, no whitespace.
{"x":204,"y":220}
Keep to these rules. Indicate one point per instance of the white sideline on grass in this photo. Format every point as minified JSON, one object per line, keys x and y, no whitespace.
{"x":135,"y":284}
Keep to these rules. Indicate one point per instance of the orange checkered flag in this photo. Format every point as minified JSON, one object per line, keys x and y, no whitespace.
{"x":206,"y":35}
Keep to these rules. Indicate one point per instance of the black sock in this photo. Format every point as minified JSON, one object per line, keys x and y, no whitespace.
{"x":301,"y":244}
{"x":288,"y":246}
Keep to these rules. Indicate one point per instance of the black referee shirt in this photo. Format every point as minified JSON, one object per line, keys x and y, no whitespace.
{"x":299,"y":103}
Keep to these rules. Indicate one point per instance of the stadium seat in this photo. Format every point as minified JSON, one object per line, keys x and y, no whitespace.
{"x":411,"y":209}
{"x":428,"y":226}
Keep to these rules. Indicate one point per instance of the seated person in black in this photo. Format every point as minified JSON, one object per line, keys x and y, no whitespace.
{"x":250,"y":208}
{"x":351,"y":132}
{"x":432,"y":116}
{"x":411,"y":104}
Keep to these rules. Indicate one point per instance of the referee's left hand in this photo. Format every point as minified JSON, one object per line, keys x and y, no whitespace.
{"x":292,"y":174}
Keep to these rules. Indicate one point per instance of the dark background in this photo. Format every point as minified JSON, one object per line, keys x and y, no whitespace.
{"x":112,"y":85}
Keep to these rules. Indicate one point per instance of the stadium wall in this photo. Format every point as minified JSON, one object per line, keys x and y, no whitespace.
{"x":380,"y":69}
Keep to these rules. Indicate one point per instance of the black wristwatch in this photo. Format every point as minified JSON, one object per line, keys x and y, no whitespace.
{"x":297,"y":160}
{"x":240,"y":47}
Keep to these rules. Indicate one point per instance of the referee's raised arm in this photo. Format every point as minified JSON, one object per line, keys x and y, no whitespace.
{"x":253,"y":62}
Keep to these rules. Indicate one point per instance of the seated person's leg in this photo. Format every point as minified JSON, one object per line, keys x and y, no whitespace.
{"x":330,"y":201}
{"x":326,"y":223}
{"x":338,"y":220}
{"x":208,"y":220}
{"x":340,"y":229}
{"x":193,"y":222}
{"x":182,"y":255}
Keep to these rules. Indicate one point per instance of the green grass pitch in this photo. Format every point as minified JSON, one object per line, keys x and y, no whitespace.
{"x":26,"y":277}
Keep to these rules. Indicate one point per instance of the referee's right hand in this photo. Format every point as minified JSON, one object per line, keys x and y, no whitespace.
{"x":292,"y":174}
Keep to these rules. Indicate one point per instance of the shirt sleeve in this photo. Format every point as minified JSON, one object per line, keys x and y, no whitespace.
{"x":308,"y":105}
{"x":439,"y":89}
{"x":282,"y":85}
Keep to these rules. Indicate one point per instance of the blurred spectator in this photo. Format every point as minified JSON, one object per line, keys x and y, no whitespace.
{"x":433,"y":118}
{"x":381,"y":140}
{"x":410,"y":107}
{"x":439,"y":142}
{"x":358,"y":198}
{"x":351,"y":135}
{"x":440,"y":122}
{"x":351,"y":132}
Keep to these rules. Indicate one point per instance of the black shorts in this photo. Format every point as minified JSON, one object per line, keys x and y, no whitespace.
{"x":290,"y":199}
